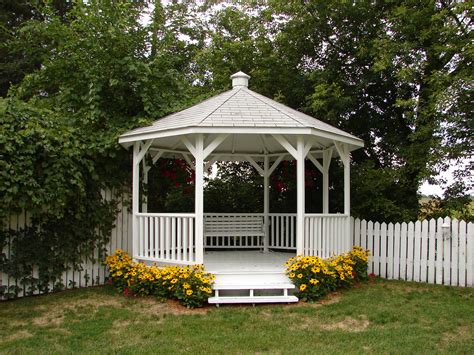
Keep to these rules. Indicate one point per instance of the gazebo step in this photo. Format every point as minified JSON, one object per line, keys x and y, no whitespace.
{"x":262,"y":286}
{"x":242,"y":280}
{"x":252,"y":287}
{"x":254,"y":299}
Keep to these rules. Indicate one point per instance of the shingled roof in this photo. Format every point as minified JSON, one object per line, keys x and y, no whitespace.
{"x":238,"y":108}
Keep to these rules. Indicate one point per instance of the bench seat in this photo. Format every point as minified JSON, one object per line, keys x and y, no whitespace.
{"x":231,"y":231}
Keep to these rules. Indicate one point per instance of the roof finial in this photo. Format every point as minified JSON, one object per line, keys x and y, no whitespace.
{"x":240,"y":79}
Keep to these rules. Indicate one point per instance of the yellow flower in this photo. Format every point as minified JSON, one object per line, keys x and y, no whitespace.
{"x":174,"y":281}
{"x":313,"y":281}
{"x":189,"y":292}
{"x":299,"y":276}
{"x":186,"y":286}
{"x":292,"y":275}
{"x":303,"y":287}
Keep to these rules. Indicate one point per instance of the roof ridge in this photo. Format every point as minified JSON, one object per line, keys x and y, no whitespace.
{"x":215,"y":109}
{"x":272,"y":105}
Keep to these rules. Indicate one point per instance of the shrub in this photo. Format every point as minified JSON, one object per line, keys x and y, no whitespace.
{"x":360,"y":256}
{"x":315,"y":277}
{"x":190,"y":285}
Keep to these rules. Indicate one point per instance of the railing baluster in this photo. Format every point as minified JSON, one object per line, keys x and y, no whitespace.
{"x":173,"y":238}
{"x":157,"y":250}
{"x":178,"y":236}
{"x":191,"y":240}
{"x":186,"y":236}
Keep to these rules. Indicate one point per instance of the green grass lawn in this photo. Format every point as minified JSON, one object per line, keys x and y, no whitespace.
{"x":386,"y":316}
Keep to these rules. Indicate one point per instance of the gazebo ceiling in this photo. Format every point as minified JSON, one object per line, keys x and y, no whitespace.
{"x":249,"y":119}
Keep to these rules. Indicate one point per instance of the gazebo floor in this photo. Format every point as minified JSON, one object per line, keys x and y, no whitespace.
{"x":230,"y":261}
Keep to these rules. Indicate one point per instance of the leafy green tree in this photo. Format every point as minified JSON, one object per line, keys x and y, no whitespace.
{"x":60,"y":126}
{"x":19,"y":50}
{"x":379,"y":71}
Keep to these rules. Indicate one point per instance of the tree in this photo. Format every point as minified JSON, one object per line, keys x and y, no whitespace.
{"x":60,"y":126}
{"x":379,"y":71}
{"x":20,"y":53}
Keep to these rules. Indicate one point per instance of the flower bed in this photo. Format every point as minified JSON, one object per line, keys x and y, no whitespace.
{"x":191,"y":285}
{"x":315,"y":277}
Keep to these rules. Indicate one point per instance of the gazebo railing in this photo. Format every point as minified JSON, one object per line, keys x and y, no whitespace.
{"x":170,"y":237}
{"x":282,"y":231}
{"x":326,"y":234}
{"x":166,"y":237}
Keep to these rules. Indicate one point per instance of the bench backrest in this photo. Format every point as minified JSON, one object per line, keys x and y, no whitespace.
{"x":229,"y":223}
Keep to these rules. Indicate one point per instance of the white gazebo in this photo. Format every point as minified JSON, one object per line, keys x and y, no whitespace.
{"x":239,"y":125}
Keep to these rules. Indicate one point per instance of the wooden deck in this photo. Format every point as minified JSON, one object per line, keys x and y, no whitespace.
{"x":245,"y":261}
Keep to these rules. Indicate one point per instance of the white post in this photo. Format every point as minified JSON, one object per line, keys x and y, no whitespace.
{"x":266,"y":201}
{"x":145,"y":182}
{"x":300,"y":202}
{"x":135,"y":197}
{"x":327,"y":155}
{"x":347,"y":197}
{"x":199,"y":199}
{"x":345,"y":156}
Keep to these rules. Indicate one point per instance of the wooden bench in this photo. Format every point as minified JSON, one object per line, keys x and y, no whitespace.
{"x":233,"y":231}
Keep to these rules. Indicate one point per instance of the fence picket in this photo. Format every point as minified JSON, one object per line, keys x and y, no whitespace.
{"x":383,"y":250}
{"x":370,"y":245}
{"x":390,"y":251}
{"x":357,"y":239}
{"x":396,"y":252}
{"x":403,"y":251}
{"x":363,"y":234}
{"x":470,"y":255}
{"x":462,"y":262}
{"x":454,"y":251}
{"x":431,"y":239}
{"x":447,"y":255}
{"x":410,"y":248}
{"x":417,"y":252}
{"x":439,"y":251}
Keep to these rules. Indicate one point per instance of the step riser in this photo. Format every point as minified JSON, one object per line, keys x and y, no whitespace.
{"x":252,"y":280}
{"x":252,"y":300}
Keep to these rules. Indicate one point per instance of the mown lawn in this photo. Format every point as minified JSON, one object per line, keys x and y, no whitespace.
{"x":395,"y":317}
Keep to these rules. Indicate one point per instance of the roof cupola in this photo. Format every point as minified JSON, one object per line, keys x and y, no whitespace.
{"x":240,"y":79}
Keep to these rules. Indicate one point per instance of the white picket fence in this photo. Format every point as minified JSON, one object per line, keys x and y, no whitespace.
{"x":90,"y":272}
{"x":435,"y":251}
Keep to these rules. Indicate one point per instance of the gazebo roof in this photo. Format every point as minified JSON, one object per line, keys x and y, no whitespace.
{"x":240,"y":111}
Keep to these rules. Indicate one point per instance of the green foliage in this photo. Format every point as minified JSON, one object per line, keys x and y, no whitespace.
{"x":59,"y":130}
{"x":236,"y":188}
{"x":170,"y":186}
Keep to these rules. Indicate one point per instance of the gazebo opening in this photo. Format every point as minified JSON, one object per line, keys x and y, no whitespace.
{"x":239,"y":125}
